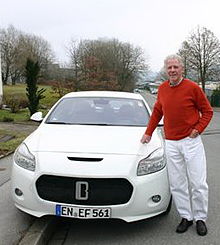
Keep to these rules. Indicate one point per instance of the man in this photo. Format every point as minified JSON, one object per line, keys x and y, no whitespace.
{"x":186,"y":112}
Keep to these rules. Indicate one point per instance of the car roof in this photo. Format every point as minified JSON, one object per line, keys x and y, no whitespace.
{"x":115,"y":94}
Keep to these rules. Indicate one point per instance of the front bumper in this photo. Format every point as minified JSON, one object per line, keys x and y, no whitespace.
{"x":140,"y":205}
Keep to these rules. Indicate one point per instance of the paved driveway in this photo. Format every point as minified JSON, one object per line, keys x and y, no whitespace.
{"x":19,"y":126}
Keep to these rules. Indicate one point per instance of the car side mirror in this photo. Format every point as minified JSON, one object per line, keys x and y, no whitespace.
{"x":37,"y":116}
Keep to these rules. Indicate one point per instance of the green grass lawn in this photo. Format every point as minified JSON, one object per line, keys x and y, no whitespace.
{"x":20,"y":116}
{"x":23,"y":115}
{"x":20,"y":89}
{"x":12,"y":144}
{"x":9,"y":91}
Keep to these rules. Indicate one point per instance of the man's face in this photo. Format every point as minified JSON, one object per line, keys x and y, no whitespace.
{"x":174,"y":70}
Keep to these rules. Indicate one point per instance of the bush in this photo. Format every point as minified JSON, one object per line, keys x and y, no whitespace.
{"x":7,"y":119}
{"x":23,"y":103}
{"x":15,"y":102}
{"x":215,"y":98}
{"x":62,"y":87}
{"x":11,"y":90}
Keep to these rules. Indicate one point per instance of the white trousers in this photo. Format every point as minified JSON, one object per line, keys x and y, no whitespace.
{"x":186,"y":163}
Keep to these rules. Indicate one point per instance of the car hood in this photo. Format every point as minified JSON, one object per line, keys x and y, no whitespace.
{"x":91,"y":139}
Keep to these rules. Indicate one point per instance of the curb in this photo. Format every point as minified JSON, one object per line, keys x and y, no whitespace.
{"x":217,"y":109}
{"x":40,"y":231}
{"x":7,"y":154}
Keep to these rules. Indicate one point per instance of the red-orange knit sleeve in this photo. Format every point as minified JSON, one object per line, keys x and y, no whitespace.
{"x":204,"y":108}
{"x":155,"y":117}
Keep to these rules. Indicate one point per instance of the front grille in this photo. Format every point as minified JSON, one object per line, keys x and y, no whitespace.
{"x":101,"y":191}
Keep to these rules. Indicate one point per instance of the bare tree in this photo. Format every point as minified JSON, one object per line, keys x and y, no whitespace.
{"x":184,"y":53}
{"x":9,"y":39}
{"x":36,"y":49}
{"x":201,"y":54}
{"x":162,"y":75}
{"x":75,"y":57}
{"x":17,"y":47}
{"x":111,"y":58}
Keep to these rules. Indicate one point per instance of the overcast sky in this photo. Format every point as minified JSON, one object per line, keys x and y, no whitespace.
{"x":157,"y":26}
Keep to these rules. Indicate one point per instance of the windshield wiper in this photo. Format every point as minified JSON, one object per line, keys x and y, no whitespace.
{"x":57,"y":123}
{"x":95,"y":124}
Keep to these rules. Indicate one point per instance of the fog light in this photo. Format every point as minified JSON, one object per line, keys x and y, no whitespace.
{"x":156,"y":198}
{"x":18,"y":192}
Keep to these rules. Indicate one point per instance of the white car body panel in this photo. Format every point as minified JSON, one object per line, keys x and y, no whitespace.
{"x":91,"y":139}
{"x":121,"y":150}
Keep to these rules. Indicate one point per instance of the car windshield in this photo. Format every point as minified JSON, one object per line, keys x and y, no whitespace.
{"x":100,"y":111}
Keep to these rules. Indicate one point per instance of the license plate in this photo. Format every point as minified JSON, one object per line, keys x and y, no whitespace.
{"x":82,"y":212}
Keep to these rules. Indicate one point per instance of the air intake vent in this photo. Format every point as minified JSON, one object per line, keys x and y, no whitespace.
{"x":101,"y":191}
{"x":85,"y":159}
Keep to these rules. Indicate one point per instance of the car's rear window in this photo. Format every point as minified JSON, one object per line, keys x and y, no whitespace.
{"x":100,"y":111}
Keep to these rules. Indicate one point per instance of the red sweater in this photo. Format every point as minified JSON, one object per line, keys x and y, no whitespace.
{"x":184,"y":107}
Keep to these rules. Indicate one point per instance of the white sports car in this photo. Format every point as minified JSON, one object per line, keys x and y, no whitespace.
{"x":85,"y":160}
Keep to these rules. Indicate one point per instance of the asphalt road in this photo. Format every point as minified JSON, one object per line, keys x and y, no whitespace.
{"x":158,"y":230}
{"x":13,"y":223}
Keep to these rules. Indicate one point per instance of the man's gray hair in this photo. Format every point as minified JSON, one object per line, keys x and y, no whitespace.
{"x":173,"y":57}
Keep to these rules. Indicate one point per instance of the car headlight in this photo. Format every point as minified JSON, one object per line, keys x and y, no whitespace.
{"x":24,"y":158}
{"x":153,"y":163}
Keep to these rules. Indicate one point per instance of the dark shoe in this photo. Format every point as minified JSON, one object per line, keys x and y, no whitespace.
{"x":201,"y":228}
{"x":183,"y":225}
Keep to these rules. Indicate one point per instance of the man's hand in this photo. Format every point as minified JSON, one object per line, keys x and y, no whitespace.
{"x":194,"y":133}
{"x":145,"y":138}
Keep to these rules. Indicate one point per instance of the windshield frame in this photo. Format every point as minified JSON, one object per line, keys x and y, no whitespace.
{"x":98,"y":123}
